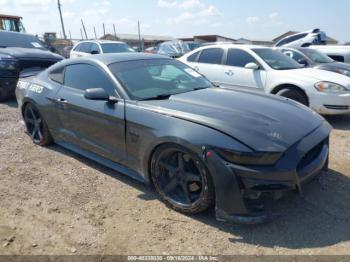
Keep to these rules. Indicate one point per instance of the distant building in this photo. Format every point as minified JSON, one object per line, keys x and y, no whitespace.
{"x":329,"y":41}
{"x":208,"y":39}
{"x":244,"y":41}
{"x":133,"y":39}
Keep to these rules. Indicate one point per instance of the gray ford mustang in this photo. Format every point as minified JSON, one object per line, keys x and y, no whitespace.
{"x":158,"y":121}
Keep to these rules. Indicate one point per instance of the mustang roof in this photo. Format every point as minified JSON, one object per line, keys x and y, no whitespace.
{"x":123,"y":57}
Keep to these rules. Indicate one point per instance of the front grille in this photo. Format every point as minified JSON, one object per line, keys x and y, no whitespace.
{"x":311,"y":155}
{"x":335,"y":107}
{"x":25,"y":64}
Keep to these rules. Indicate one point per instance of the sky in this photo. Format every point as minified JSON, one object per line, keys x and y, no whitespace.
{"x":252,"y":19}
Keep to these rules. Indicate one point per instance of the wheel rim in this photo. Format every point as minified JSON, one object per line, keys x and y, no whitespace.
{"x":33,"y":123}
{"x":179,"y":177}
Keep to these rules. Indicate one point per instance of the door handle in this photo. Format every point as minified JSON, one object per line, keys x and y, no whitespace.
{"x":61,"y":101}
{"x":229,"y":73}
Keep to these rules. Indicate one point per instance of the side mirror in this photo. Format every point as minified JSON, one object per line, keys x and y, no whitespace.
{"x":94,"y":52}
{"x":252,"y":66}
{"x":99,"y":94}
{"x":303,"y":62}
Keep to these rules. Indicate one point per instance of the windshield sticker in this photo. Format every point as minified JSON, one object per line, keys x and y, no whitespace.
{"x":36,"y":44}
{"x":192,"y":72}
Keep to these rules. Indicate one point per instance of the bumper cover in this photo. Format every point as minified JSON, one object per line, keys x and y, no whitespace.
{"x":235,"y":185}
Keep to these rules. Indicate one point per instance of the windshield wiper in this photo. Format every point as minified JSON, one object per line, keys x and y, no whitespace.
{"x":158,"y":97}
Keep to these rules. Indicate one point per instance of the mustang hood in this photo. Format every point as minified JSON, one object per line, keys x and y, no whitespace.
{"x":263,"y":123}
{"x":28,"y":53}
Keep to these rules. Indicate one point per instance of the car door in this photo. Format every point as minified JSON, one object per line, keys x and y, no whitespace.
{"x":92,"y":125}
{"x":209,"y":63}
{"x":236,"y":75}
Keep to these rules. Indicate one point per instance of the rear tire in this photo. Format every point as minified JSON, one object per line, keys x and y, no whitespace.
{"x":181,"y":179}
{"x":294,"y":94}
{"x":36,"y":126}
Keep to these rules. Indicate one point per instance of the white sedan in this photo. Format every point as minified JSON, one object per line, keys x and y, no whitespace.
{"x":95,"y":47}
{"x":262,"y":69}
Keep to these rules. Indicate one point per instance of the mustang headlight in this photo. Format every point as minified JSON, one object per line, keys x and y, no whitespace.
{"x":251,"y":158}
{"x":329,"y":87}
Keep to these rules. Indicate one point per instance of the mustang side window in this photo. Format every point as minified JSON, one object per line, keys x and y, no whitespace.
{"x":85,"y":76}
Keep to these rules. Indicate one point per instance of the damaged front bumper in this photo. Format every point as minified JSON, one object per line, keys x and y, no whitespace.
{"x":238,"y":188}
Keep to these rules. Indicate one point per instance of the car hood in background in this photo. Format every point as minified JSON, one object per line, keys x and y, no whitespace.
{"x":334,"y":67}
{"x":264,"y":123}
{"x":320,"y":75}
{"x":29,"y":53}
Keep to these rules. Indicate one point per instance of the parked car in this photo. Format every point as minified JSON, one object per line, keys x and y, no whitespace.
{"x":340,"y":53}
{"x":266,"y":70}
{"x":152,"y":49}
{"x":173,"y":49}
{"x":95,"y":47}
{"x":20,"y":52}
{"x":313,"y":58}
{"x":192,"y":45}
{"x":304,"y":39}
{"x":159,"y":121}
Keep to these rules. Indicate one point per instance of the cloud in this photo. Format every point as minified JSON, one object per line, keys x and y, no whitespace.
{"x":274,"y":15}
{"x":185,"y":4}
{"x":167,"y":3}
{"x":252,"y":19}
{"x":200,"y":17}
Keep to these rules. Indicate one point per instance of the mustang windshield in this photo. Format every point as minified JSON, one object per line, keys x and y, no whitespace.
{"x":276,"y":60}
{"x":157,"y":79}
{"x":316,"y":56}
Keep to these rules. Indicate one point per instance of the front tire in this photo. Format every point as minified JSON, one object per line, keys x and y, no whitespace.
{"x":36,"y":126}
{"x":181,"y":179}
{"x":4,"y":95}
{"x":293,"y":94}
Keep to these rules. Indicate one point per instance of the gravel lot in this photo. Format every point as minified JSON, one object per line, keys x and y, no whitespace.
{"x":55,"y":202}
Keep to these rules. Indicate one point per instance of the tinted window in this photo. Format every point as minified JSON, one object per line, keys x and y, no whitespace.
{"x":94,"y":48}
{"x":85,"y":47}
{"x":193,"y":57}
{"x":77,"y":48}
{"x":295,"y":38}
{"x":239,"y":58}
{"x":211,"y":56}
{"x":116,"y":48}
{"x":316,"y":56}
{"x":57,"y":75}
{"x":337,"y":58}
{"x":10,"y":39}
{"x":84,"y":76}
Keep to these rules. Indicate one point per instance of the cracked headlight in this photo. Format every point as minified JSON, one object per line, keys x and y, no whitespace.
{"x":250,"y":158}
{"x":329,"y":87}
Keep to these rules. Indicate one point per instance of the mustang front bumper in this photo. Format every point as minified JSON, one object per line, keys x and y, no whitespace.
{"x":235,"y":185}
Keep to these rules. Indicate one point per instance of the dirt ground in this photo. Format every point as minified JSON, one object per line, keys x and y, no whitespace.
{"x":55,"y":202}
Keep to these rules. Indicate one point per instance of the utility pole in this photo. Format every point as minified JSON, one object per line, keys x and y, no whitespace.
{"x":81,"y":33}
{"x":115,"y":32}
{"x":84,"y":29}
{"x":104,"y":29}
{"x":138,"y":26}
{"x":70,"y":35}
{"x":95,"y":33}
{"x":62,"y":24}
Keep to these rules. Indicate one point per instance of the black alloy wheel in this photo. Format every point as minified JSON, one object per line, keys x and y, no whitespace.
{"x":35,"y":126}
{"x":181,"y":179}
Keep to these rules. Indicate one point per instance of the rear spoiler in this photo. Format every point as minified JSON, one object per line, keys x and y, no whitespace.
{"x":30,"y":72}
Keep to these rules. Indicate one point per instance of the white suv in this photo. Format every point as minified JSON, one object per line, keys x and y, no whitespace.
{"x":262,"y":69}
{"x":94,"y":47}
